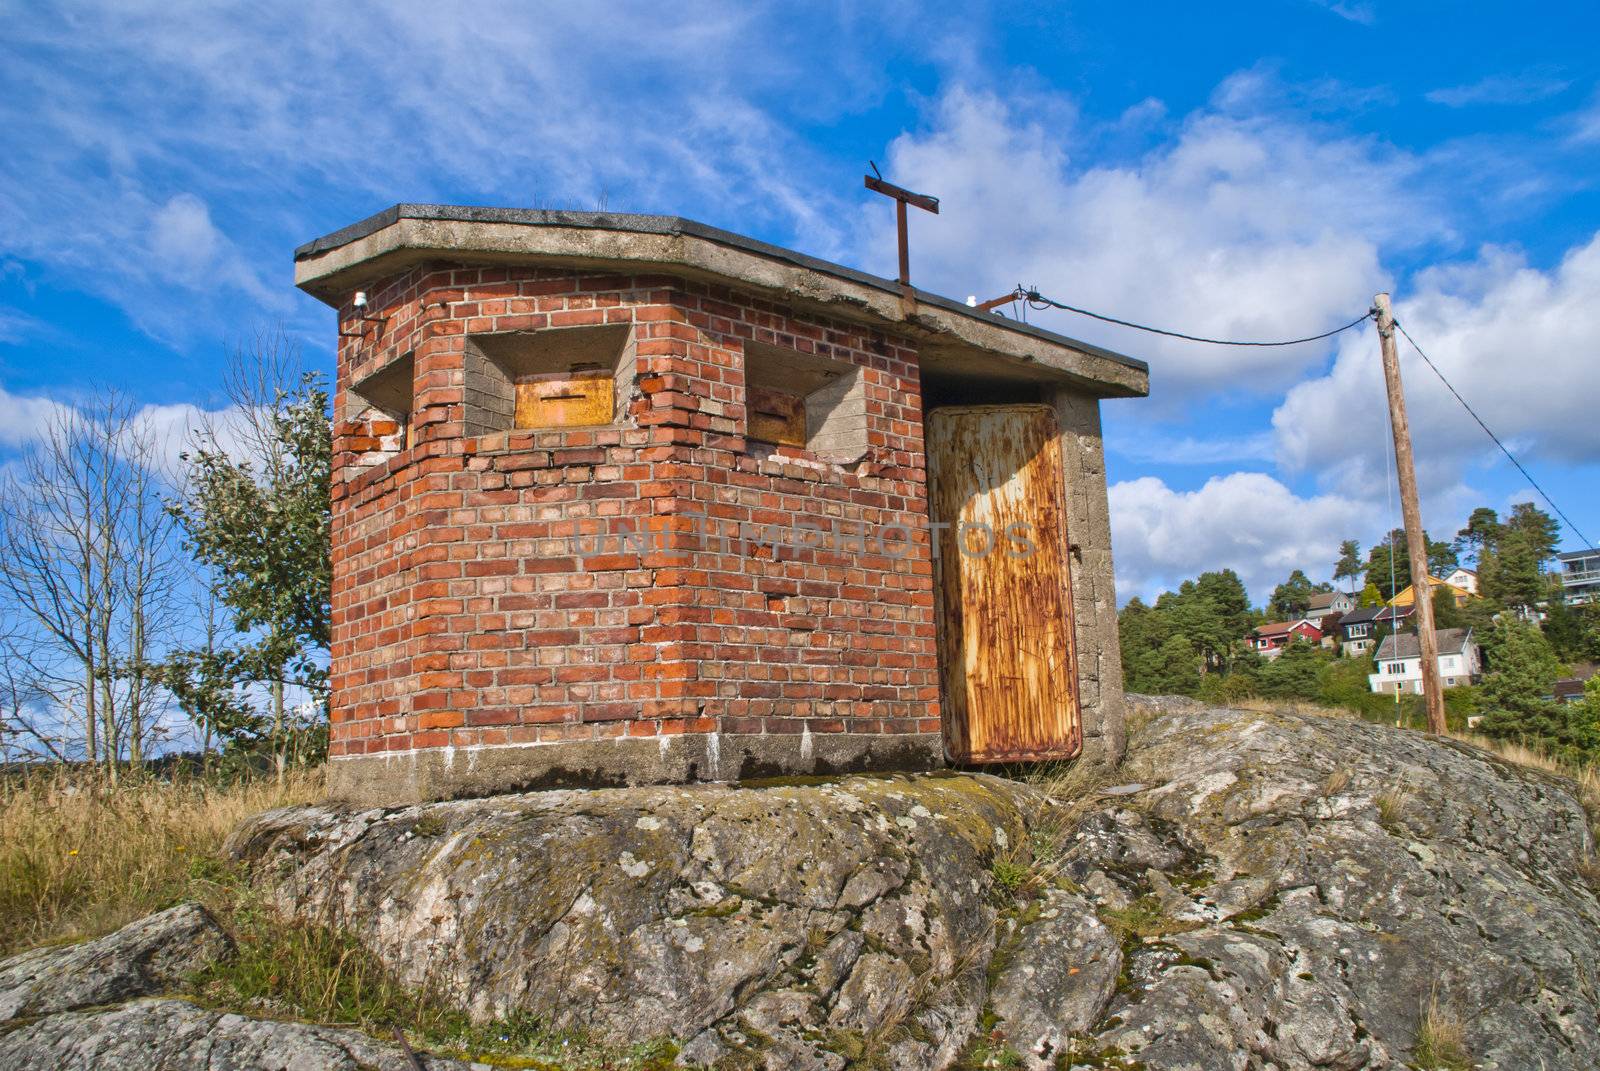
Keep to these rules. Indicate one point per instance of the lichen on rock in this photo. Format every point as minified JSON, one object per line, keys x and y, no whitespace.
{"x":1254,"y":890}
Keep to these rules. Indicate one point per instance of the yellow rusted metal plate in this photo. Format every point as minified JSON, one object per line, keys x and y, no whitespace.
{"x":776,"y":416}
{"x":1010,"y":683}
{"x":565,"y":400}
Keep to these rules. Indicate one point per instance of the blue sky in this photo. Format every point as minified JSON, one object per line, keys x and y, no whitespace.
{"x":1258,"y":172}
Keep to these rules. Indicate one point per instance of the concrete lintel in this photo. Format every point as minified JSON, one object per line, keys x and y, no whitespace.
{"x":404,"y":778}
{"x":405,"y":235}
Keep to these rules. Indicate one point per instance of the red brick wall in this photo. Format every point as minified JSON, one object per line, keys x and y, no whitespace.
{"x":465,"y":614}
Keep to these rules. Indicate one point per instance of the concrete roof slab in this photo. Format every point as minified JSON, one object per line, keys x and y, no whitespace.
{"x":947,"y":331}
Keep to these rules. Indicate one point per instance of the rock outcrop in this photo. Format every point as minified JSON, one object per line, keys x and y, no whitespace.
{"x":175,"y":1035}
{"x":1259,"y":890}
{"x":153,"y":955}
{"x":786,"y":921}
{"x":92,"y":1007}
{"x":1248,"y":891}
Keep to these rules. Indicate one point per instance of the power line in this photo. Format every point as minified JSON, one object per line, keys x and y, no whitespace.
{"x":1039,"y":301}
{"x":1509,"y":456}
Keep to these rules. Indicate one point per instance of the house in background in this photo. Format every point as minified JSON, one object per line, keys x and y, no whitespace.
{"x":1399,"y":661}
{"x":1408,"y":595}
{"x":1326,"y":604}
{"x":1462,"y":578}
{"x":1268,"y":641}
{"x":1580,"y":575}
{"x":1571,"y":689}
{"x":1358,"y":629}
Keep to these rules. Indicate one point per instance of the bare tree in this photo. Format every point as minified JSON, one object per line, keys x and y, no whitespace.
{"x":87,"y":569}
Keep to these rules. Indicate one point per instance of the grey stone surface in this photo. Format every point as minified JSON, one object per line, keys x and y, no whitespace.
{"x":1288,"y":893}
{"x":1056,"y":980}
{"x":761,"y":922}
{"x":154,"y":955}
{"x":1337,"y":877}
{"x":174,"y":1035}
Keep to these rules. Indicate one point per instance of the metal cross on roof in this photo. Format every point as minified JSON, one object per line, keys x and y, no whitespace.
{"x":902,"y":197}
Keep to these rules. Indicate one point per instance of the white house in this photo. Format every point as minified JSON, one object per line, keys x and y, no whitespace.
{"x":1399,"y":661}
{"x":1465,"y":579}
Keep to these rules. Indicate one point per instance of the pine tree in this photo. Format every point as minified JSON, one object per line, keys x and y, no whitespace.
{"x":1348,"y":567}
{"x":1516,"y":576}
{"x":1523,"y":669}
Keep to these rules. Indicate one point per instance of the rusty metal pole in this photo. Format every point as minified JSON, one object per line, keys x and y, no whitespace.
{"x":1411,"y":512}
{"x":905,"y":244}
{"x":903,"y":197}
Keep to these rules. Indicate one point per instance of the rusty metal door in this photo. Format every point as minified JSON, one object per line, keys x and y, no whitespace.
{"x":1004,"y":594}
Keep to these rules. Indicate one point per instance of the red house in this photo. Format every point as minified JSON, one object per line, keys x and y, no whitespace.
{"x":1269,"y":640}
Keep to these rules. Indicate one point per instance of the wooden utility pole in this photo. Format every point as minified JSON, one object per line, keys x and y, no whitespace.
{"x":1411,"y":511}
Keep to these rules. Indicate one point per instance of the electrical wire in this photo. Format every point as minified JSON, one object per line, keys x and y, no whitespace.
{"x":1031,"y":298}
{"x":1503,"y":449}
{"x":1039,"y":301}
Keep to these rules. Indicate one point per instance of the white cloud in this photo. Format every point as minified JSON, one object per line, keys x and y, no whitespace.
{"x":1357,"y":11}
{"x":1498,"y":89}
{"x":1243,"y":226}
{"x":15,"y":325}
{"x":24,"y":418}
{"x":174,"y":430}
{"x":1520,"y":344}
{"x":169,"y":430}
{"x":1245,"y":521}
{"x":151,"y":157}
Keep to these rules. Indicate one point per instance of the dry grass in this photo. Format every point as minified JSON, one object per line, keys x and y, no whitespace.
{"x":1338,"y":780}
{"x":1071,"y":790}
{"x":1293,"y":706}
{"x":78,"y":859}
{"x":1441,"y":1040}
{"x":1391,"y":804}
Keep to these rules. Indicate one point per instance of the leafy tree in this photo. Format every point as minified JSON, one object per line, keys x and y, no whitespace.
{"x":1370,"y":596}
{"x":1389,"y":565}
{"x":1188,"y":635}
{"x":1292,"y":598}
{"x":204,"y":685}
{"x":1348,"y":567}
{"x":1213,"y":613}
{"x":261,"y":522}
{"x":1232,"y":602}
{"x":1180,"y":667}
{"x":1441,"y":560}
{"x":1294,"y":674}
{"x":1142,"y":631}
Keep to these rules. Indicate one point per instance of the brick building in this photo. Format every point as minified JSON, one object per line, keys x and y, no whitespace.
{"x":626,"y":499}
